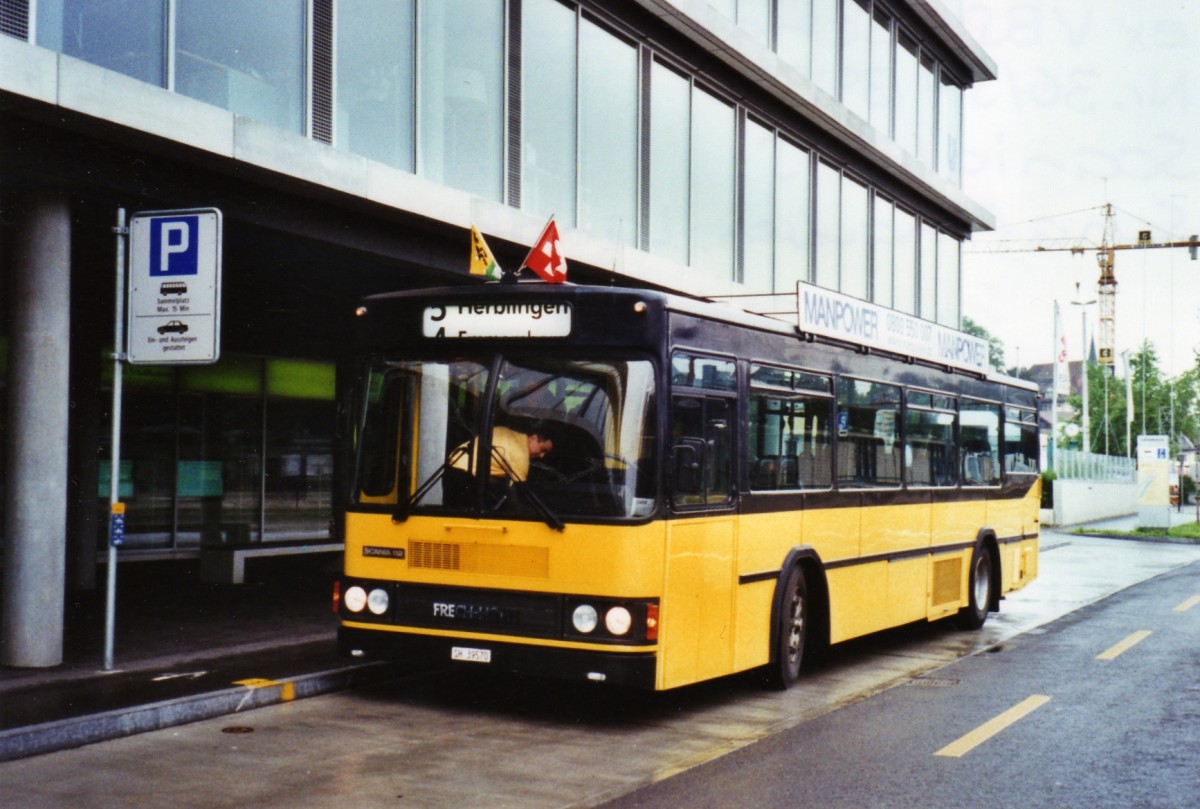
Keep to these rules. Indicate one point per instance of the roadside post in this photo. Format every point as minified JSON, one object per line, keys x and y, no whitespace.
{"x":174,"y":317}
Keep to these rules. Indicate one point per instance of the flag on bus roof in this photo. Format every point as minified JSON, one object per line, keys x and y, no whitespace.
{"x":482,"y":261}
{"x":545,"y":259}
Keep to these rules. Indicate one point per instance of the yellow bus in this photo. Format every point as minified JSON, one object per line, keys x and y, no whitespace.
{"x":636,"y":488}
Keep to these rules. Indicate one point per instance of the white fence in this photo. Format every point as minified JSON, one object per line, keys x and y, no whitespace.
{"x":1073,"y":464}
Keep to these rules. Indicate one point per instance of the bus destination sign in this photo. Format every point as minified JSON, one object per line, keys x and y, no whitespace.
{"x":516,"y":319}
{"x":832,"y":314}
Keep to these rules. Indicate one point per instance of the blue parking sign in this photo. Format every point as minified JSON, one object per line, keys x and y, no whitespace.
{"x":174,"y":246}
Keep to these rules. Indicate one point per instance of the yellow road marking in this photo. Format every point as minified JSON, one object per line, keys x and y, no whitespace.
{"x":988,"y":729}
{"x":1187,"y":605}
{"x":287,"y":689}
{"x":1125,"y":645}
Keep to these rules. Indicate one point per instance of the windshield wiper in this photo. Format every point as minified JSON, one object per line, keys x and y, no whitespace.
{"x":400,"y":514}
{"x":523,"y":489}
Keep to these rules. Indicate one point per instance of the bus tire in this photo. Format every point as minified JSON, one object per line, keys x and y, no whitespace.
{"x":979,"y":590}
{"x":790,"y":631}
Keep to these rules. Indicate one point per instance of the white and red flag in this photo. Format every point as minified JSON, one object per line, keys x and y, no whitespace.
{"x":545,"y":258}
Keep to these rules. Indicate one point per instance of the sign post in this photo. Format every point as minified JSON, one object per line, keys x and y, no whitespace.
{"x":174,"y":311}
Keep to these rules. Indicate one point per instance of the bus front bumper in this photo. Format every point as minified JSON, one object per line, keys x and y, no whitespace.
{"x":633,"y":669}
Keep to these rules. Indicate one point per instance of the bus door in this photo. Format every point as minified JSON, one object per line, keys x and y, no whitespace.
{"x":697,"y":638}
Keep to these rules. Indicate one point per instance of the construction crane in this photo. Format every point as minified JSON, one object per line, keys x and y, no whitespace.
{"x":1106,"y":287}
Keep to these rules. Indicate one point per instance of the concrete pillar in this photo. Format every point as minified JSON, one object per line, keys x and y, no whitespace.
{"x":39,"y":284}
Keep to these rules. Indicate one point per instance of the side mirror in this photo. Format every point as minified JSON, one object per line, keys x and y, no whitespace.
{"x":688,"y":463}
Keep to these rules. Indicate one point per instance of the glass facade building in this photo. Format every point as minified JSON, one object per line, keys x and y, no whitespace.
{"x":723,"y":148}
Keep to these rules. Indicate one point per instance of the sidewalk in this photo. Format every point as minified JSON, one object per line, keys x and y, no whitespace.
{"x":183,"y":651}
{"x":1129,"y":522}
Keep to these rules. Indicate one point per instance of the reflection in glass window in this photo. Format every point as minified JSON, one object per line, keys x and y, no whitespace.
{"x":881,"y":72}
{"x":948,"y":249}
{"x":608,"y":135}
{"x":856,"y":59}
{"x":980,"y":443}
{"x":829,"y":207}
{"x":793,"y":224}
{"x":881,"y":277}
{"x":950,"y":130}
{"x":128,"y":36}
{"x":905,"y":267}
{"x":702,"y":451}
{"x":789,"y":432}
{"x":906,"y":94}
{"x":855,"y":238}
{"x":714,"y":136}
{"x":793,"y":23}
{"x":670,"y":105}
{"x":926,"y":120}
{"x":868,"y":424}
{"x":247,"y":58}
{"x":374,"y":81}
{"x":928,"y":286}
{"x":460,"y":44}
{"x":1021,"y":449}
{"x":825,"y":40}
{"x":759,"y":208}
{"x":930,"y":455}
{"x":693,"y":371}
{"x":548,"y":98}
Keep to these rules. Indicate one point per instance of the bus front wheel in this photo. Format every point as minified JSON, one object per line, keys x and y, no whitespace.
{"x":979,"y":590}
{"x":791,"y":630}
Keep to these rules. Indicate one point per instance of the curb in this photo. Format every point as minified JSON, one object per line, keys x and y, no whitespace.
{"x":76,"y":732}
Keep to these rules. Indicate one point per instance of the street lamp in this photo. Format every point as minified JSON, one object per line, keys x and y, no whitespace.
{"x":1083,"y":368}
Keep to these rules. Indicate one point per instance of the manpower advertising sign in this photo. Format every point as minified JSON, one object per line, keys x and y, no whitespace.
{"x":841,"y":317}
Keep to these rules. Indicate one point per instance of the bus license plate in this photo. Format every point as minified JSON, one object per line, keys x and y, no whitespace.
{"x":470,"y":655}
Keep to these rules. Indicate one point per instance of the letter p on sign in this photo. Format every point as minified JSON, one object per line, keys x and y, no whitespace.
{"x":173,"y":246}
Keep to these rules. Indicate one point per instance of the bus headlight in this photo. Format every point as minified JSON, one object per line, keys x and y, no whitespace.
{"x":584,"y":618}
{"x":618,"y":620}
{"x":377,"y":601}
{"x":355,"y":598}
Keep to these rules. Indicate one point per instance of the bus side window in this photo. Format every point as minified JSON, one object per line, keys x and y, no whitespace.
{"x":702,"y":450}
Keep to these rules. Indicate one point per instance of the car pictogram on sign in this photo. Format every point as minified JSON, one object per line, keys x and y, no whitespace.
{"x":173,"y":326}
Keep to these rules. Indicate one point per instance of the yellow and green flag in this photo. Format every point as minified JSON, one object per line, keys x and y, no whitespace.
{"x":482,"y":261}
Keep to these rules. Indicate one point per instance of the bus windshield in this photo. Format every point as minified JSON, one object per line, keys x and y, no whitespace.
{"x":519,"y":436}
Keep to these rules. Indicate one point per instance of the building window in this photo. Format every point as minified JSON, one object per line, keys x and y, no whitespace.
{"x":926,"y":114}
{"x":927,"y":302}
{"x":670,"y":150}
{"x":793,"y":212}
{"x":548,"y":57}
{"x":374,"y":76}
{"x":881,"y":72}
{"x":950,"y":130}
{"x":856,"y":57}
{"x":829,"y":207}
{"x":608,"y":135}
{"x":906,"y":94}
{"x":793,"y":25}
{"x":948,"y":251}
{"x":713,"y":187}
{"x":247,"y":58}
{"x":855,"y":239}
{"x":758,"y":209}
{"x":881,"y":276}
{"x":460,"y":100}
{"x":127,"y":36}
{"x":825,"y":41}
{"x":904,"y":289}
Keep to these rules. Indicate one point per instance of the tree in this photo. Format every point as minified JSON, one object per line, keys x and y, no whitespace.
{"x":995,"y":345}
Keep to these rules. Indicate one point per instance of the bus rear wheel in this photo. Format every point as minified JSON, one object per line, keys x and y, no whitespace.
{"x":791,"y":631}
{"x":979,"y":590}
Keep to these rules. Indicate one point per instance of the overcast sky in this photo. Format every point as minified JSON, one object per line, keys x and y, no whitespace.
{"x":1096,"y":101}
